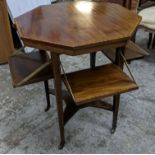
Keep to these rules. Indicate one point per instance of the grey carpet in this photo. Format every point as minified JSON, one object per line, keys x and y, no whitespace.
{"x":26,"y":128}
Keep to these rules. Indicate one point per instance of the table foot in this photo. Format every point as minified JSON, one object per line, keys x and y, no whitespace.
{"x":61,"y":145}
{"x":113,"y":131}
{"x":47,"y":108}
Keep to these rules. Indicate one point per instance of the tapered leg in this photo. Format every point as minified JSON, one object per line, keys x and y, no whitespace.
{"x":150,"y":40}
{"x":47,"y":95}
{"x":92,"y":60}
{"x":116,"y":100}
{"x":58,"y":93}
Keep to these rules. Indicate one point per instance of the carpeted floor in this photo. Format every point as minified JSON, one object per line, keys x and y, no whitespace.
{"x":26,"y":128}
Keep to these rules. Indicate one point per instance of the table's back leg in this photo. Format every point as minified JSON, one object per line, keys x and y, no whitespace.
{"x":150,"y":40}
{"x":46,"y":85}
{"x":92,"y":60}
{"x":58,"y":93}
{"x":43,"y":55}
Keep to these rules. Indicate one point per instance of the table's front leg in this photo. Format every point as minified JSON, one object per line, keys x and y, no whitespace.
{"x":58,"y":92}
{"x":116,"y":99}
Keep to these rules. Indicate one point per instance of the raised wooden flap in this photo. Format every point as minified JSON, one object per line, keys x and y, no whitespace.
{"x":133,"y":51}
{"x":23,"y":65}
{"x":91,"y":84}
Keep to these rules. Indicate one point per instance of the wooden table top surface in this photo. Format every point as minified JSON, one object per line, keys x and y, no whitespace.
{"x":71,"y":27}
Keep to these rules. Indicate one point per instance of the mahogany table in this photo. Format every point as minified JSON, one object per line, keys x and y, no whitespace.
{"x":75,"y":28}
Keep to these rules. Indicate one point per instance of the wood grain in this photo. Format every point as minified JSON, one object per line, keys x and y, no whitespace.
{"x":132,"y":52}
{"x":78,"y":26}
{"x":23,"y":65}
{"x":107,"y":80}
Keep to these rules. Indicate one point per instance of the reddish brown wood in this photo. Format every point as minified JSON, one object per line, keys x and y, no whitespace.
{"x":74,"y":28}
{"x":133,"y":51}
{"x":23,"y":65}
{"x":90,"y":85}
{"x":58,"y":94}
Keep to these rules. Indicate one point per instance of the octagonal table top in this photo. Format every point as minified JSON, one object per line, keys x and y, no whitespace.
{"x":75,"y":27}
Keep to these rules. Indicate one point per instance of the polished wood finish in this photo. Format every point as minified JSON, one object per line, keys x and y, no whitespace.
{"x":73,"y":30}
{"x":58,"y":94}
{"x":89,"y":85}
{"x":76,"y":28}
{"x":132,"y":52}
{"x":22,"y":65}
{"x":6,"y":43}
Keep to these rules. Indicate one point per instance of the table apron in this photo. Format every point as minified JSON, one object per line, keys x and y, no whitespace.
{"x":74,"y":52}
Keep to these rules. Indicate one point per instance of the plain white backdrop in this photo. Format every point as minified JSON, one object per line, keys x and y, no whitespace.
{"x":18,"y":7}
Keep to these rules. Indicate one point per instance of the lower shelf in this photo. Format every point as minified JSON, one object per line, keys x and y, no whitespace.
{"x":133,"y":52}
{"x":91,"y":84}
{"x":21,"y":66}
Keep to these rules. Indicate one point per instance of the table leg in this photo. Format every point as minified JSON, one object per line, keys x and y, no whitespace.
{"x":71,"y":108}
{"x":116,"y":98}
{"x":92,"y":60}
{"x":43,"y":55}
{"x":58,"y":92}
{"x":46,"y":85}
{"x":150,"y":40}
